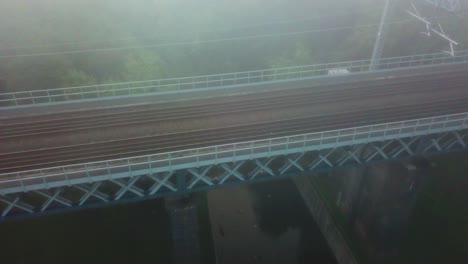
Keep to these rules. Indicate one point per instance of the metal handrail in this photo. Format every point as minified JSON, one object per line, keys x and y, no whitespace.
{"x":86,"y":92}
{"x":249,"y":146}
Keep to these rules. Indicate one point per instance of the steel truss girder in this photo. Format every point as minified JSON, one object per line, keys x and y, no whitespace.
{"x":181,"y":182}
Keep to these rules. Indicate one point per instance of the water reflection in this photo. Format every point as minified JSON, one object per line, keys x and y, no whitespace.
{"x":133,"y":233}
{"x":280,"y":208}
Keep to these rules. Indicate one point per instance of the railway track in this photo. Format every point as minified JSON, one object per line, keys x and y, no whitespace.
{"x":11,"y":129}
{"x":379,"y":89}
{"x":76,"y":154}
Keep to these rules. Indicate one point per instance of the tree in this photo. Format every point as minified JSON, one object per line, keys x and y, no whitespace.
{"x":143,"y":65}
{"x":35,"y":73}
{"x":74,"y":77}
{"x":300,"y":55}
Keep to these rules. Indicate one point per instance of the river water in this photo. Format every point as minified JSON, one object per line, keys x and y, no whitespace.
{"x":140,"y":232}
{"x":265,"y":223}
{"x":260,"y":223}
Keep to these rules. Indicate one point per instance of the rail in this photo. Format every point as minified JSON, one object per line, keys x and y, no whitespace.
{"x":171,"y":161}
{"x":179,"y":85}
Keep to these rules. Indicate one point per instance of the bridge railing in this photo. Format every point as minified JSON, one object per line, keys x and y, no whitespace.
{"x":179,"y":85}
{"x":126,"y":167}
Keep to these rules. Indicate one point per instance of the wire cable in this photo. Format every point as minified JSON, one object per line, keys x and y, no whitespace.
{"x":198,"y":42}
{"x":215,"y":30}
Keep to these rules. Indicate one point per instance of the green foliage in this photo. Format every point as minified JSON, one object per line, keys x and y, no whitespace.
{"x":74,"y":77}
{"x":357,"y":46}
{"x":53,"y":26}
{"x":143,"y":65}
{"x":35,"y":73}
{"x":300,"y":55}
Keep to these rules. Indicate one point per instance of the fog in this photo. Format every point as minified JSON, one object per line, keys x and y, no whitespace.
{"x":60,"y":43}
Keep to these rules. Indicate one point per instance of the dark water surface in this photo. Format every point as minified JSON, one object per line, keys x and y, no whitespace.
{"x":280,"y":208}
{"x":140,"y":233}
{"x":134,"y":233}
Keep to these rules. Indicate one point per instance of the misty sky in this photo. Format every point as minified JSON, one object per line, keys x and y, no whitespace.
{"x":24,"y":22}
{"x":52,"y":28}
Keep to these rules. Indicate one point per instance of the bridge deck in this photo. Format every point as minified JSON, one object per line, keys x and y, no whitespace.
{"x":345,"y":125}
{"x":178,"y":173}
{"x":46,"y":143}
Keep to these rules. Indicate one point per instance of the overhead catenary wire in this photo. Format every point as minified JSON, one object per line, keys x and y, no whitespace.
{"x":193,"y":42}
{"x":198,"y":42}
{"x":197,"y":32}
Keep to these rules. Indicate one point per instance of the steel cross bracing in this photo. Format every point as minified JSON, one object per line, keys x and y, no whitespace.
{"x":218,"y":81}
{"x":183,"y":181}
{"x":193,"y":158}
{"x":281,"y":158}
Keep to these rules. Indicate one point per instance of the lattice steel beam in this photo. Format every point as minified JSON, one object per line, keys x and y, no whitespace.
{"x":262,"y":167}
{"x":15,"y":202}
{"x":232,"y":171}
{"x":128,"y":187}
{"x":158,"y":183}
{"x":54,"y":197}
{"x":90,"y":192}
{"x":184,"y":181}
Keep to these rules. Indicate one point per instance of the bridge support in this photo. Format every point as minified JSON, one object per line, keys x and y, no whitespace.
{"x":181,"y":182}
{"x":184,"y":230}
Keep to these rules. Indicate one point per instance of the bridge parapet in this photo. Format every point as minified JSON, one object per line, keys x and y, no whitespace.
{"x":207,"y":156}
{"x":178,"y":173}
{"x":217,"y":81}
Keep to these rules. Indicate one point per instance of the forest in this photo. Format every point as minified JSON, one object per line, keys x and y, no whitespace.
{"x":61,"y":43}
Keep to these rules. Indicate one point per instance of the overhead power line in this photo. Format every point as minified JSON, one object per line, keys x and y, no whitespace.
{"x":214,"y":30}
{"x":198,"y":42}
{"x":431,"y":29}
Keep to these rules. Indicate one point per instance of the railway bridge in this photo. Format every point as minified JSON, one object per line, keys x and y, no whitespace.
{"x":263,"y":125}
